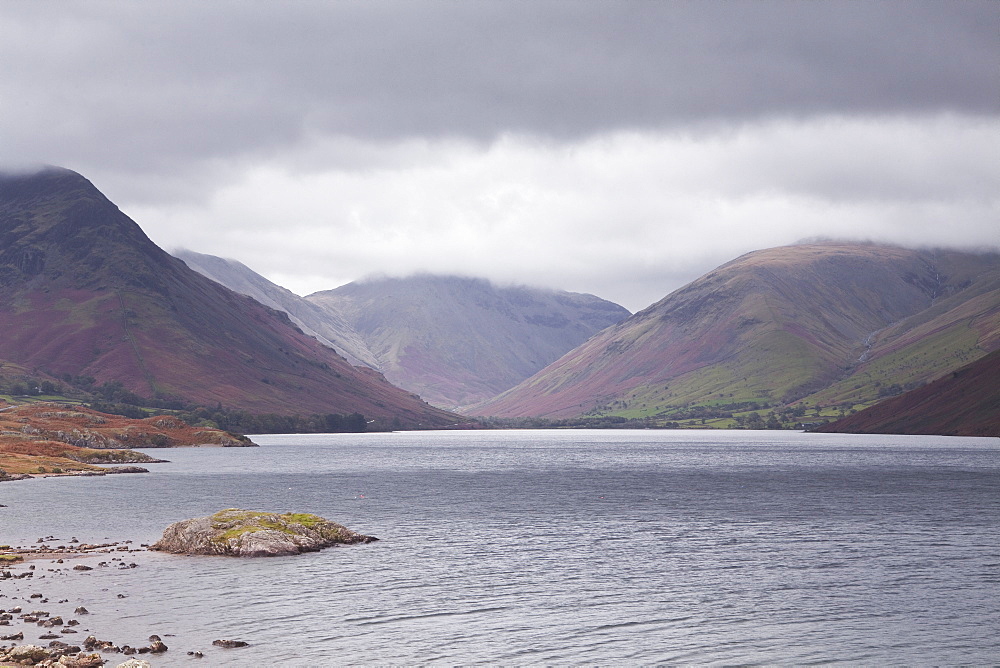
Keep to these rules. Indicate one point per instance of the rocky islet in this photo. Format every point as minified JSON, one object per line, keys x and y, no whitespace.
{"x":249,"y":533}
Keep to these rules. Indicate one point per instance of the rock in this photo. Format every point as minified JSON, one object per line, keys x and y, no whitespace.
{"x":92,"y":643}
{"x":125,"y":469}
{"x":14,"y":636}
{"x":22,"y":653}
{"x":64,"y":648}
{"x":230,"y":644}
{"x":81,"y":611}
{"x":134,"y":663}
{"x":81,"y":567}
{"x":248,"y":533}
{"x":81,"y":661}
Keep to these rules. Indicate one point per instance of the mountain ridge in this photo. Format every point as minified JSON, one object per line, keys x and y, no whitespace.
{"x":770,"y":327}
{"x":430,"y":333}
{"x":88,"y":294}
{"x":456,"y":340}
{"x":328,"y":328}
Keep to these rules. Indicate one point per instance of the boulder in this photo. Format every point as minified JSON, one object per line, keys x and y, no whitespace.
{"x":24,"y":653}
{"x":230,"y":644}
{"x":251,"y":533}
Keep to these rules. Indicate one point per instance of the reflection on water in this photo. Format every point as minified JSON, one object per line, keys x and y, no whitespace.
{"x":553,"y":547}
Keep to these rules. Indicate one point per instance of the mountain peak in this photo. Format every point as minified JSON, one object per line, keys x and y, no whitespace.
{"x":23,"y":185}
{"x":54,"y":221}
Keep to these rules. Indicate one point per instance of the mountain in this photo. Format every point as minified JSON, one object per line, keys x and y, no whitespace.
{"x":327,"y":327}
{"x":456,"y":341}
{"x":827,"y":323}
{"x":965,"y":402}
{"x":87,"y":294}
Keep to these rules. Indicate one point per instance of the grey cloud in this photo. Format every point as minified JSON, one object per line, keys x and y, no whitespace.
{"x":613,"y":146}
{"x":159,"y":86}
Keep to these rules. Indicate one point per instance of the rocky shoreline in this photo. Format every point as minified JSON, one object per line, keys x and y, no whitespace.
{"x":38,"y":628}
{"x":111,"y":470}
{"x":29,"y":611}
{"x":43,"y":439}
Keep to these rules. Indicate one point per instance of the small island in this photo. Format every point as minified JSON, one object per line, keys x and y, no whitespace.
{"x":250,"y":533}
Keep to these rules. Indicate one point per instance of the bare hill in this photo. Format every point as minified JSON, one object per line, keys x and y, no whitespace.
{"x":778,"y":326}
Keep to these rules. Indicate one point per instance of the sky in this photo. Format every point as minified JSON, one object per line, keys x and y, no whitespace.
{"x":621,"y":148}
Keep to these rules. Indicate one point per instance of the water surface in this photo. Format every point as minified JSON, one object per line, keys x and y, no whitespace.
{"x":562,"y":547}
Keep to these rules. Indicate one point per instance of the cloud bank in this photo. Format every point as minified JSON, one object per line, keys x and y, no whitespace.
{"x":620,"y":148}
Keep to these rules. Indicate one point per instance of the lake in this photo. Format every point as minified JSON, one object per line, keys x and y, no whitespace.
{"x":550,"y":547}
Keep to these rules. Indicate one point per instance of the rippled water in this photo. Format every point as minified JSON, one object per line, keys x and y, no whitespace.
{"x":554,"y":547}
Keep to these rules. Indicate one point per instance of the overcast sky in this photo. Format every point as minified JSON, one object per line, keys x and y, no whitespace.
{"x":621,"y":148}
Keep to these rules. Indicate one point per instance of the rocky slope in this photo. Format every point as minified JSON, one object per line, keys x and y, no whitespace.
{"x":456,"y":341}
{"x":87,"y":294}
{"x":54,"y":438}
{"x":248,"y":533}
{"x":328,"y":327}
{"x":829,"y":323}
{"x":84,"y":427}
{"x":965,"y":402}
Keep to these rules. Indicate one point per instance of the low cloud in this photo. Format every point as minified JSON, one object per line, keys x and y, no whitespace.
{"x":628,"y":216}
{"x":620,"y":148}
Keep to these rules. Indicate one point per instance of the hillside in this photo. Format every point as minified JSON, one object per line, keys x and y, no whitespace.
{"x":327,"y":327}
{"x":965,"y":402}
{"x":87,"y":296}
{"x":828,"y":323}
{"x":456,"y":341}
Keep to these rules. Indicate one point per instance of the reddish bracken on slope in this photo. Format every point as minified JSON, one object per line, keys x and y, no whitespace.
{"x":963,"y":403}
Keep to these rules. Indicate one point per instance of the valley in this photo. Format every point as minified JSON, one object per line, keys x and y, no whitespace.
{"x":789,"y":337}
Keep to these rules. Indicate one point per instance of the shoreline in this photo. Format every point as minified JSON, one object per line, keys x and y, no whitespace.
{"x":87,"y":473}
{"x":54,"y":628}
{"x":48,"y":629}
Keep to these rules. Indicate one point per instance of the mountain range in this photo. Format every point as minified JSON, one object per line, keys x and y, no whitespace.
{"x":87,"y":295}
{"x":457,"y":340}
{"x":88,"y":299}
{"x":452,"y":340}
{"x":819,"y":324}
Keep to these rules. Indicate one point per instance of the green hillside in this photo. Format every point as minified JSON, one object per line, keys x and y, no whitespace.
{"x":811,"y":331}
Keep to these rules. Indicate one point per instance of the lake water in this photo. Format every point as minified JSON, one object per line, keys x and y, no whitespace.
{"x":551,"y":547}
